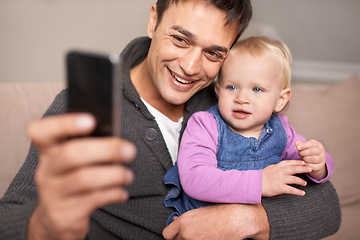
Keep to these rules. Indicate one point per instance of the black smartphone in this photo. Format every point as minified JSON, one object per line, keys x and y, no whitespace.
{"x":94,"y":87}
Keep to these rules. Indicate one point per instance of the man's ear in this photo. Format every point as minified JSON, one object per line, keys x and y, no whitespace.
{"x":283,"y":99}
{"x":217,"y":86}
{"x":152,"y":21}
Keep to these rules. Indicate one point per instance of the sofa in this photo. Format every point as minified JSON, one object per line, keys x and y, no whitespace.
{"x":330,"y":116}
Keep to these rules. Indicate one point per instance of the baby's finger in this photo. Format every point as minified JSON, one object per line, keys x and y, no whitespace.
{"x":312,"y":160}
{"x":289,"y":163}
{"x":297,"y":169}
{"x":297,"y":181}
{"x":309,"y":152}
{"x":310,"y":144}
{"x":293,"y":191}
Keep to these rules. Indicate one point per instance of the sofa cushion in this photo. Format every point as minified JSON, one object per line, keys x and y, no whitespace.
{"x":20,"y":103}
{"x":332,"y":117}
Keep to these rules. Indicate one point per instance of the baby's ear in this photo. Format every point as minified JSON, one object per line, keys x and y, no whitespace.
{"x":283,"y":99}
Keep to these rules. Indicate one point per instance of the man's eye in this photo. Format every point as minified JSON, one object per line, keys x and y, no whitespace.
{"x":257,"y":89}
{"x":179,"y":41}
{"x":214,"y":56}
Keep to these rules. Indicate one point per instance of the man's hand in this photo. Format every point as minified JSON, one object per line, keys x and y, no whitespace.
{"x":313,"y":153}
{"x":277,"y":178}
{"x":75,"y":176}
{"x":221,"y":221}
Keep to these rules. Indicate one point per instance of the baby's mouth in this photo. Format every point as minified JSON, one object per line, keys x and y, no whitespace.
{"x":240,"y":111}
{"x":241,"y":114}
{"x":180,"y":80}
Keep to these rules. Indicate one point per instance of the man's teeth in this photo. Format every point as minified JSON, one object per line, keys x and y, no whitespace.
{"x":181,"y":80}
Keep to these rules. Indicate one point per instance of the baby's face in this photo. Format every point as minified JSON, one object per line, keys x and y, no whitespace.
{"x":249,"y":91}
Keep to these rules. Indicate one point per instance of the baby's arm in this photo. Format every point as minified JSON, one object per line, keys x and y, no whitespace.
{"x":293,"y":153}
{"x":199,"y":175}
{"x":277,"y":178}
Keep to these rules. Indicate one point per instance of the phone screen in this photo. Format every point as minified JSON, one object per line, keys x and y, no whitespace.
{"x":92,"y":88}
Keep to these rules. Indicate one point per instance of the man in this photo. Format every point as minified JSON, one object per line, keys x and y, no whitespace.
{"x":82,"y":190}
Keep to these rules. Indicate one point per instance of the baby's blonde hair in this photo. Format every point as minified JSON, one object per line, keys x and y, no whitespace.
{"x":259,"y":46}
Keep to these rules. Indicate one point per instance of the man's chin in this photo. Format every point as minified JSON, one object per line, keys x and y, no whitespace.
{"x":177,"y":100}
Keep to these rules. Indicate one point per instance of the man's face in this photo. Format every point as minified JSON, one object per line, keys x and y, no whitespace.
{"x":188,"y":48}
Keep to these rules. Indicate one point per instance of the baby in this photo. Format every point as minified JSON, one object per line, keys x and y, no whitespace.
{"x":241,"y":149}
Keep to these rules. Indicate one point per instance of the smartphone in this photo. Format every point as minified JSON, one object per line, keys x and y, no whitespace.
{"x":94,"y":87}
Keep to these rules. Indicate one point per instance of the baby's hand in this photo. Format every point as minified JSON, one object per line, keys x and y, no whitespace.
{"x":313,"y":153}
{"x":277,"y":178}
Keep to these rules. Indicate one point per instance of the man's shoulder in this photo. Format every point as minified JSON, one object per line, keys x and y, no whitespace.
{"x":59,"y":105}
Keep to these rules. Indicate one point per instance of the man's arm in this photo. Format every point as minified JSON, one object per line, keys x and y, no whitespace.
{"x":221,"y":221}
{"x":313,"y":216}
{"x":60,"y":205}
{"x":19,"y":201}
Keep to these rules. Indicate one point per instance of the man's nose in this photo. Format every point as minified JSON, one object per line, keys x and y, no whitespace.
{"x":191,"y":62}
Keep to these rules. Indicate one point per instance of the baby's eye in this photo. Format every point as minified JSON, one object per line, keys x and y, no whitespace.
{"x":231,"y":88}
{"x":257,"y":89}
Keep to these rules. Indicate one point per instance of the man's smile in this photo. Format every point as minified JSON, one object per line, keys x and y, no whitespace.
{"x":180,"y":80}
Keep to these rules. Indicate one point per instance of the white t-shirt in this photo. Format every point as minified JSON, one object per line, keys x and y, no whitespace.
{"x":169,"y":129}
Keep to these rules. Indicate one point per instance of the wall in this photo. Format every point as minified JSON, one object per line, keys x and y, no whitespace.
{"x":35,"y":34}
{"x":323,"y":35}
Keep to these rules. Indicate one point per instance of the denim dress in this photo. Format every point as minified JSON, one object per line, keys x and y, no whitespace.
{"x":234,"y":152}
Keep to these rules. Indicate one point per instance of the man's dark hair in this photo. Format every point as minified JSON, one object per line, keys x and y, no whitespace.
{"x":239,"y":11}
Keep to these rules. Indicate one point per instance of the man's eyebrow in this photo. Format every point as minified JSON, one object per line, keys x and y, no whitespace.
{"x":184,"y":32}
{"x":219,"y":48}
{"x":192,"y":36}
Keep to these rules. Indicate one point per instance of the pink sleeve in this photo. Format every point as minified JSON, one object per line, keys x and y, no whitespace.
{"x":291,"y":152}
{"x":199,"y":175}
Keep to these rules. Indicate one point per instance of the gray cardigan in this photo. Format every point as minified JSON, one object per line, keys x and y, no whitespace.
{"x":313,"y":216}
